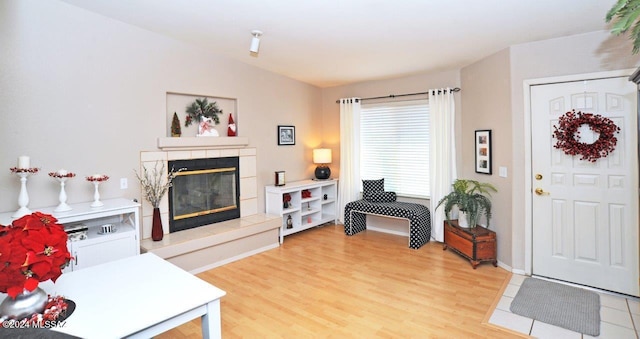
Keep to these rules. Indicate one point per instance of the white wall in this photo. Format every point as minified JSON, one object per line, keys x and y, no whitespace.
{"x":87,"y":93}
{"x":486,"y":104}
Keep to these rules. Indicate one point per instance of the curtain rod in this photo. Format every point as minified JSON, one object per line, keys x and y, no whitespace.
{"x":457,"y":89}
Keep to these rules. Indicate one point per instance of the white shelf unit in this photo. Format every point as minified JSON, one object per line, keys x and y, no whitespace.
{"x":98,"y":248}
{"x":305,"y":212}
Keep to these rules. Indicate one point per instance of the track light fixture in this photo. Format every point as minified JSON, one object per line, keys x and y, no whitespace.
{"x":255,"y":41}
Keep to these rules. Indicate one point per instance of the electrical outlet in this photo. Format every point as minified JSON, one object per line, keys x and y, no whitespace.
{"x":123,"y":183}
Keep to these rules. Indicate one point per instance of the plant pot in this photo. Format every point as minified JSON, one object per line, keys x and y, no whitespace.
{"x":156,"y":227}
{"x":463,"y":220}
{"x":24,"y":305}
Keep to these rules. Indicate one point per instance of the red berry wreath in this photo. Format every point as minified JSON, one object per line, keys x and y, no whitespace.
{"x":568,"y":135}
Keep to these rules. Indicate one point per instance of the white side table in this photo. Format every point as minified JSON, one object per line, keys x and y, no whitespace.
{"x":137,"y":297}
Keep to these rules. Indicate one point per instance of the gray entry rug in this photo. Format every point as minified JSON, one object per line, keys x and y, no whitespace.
{"x":569,"y":307}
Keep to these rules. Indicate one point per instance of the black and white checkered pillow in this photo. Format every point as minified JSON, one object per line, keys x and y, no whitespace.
{"x":372,"y":186}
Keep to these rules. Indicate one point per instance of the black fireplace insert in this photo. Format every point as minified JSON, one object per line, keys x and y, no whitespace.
{"x":207,"y":191}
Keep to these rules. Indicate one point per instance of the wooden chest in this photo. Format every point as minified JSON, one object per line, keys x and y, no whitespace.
{"x":477,"y":244}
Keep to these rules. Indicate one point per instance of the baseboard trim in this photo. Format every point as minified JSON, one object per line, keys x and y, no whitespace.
{"x":234,"y":258}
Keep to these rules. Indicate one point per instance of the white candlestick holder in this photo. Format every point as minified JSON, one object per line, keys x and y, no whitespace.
{"x":63,"y":206}
{"x":96,"y":179}
{"x":96,"y":195}
{"x":23,"y":197}
{"x":62,"y":177}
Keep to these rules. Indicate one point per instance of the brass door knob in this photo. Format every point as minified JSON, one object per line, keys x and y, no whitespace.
{"x":538,"y":176}
{"x":540,"y":191}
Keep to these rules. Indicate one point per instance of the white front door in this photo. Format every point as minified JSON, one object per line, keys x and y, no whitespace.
{"x":585,"y":214}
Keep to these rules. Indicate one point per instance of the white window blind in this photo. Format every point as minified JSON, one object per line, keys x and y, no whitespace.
{"x":394,"y":145}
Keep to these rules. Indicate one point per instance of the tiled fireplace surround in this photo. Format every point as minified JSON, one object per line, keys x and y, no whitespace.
{"x":205,"y":247}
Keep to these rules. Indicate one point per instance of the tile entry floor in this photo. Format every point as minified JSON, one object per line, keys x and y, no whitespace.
{"x":619,"y":317}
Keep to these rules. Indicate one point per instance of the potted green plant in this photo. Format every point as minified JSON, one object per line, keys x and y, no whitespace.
{"x":469,"y":197}
{"x":625,"y":17}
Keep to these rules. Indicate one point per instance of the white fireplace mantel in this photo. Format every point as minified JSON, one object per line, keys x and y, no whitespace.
{"x":223,"y":147}
{"x":183,"y":143}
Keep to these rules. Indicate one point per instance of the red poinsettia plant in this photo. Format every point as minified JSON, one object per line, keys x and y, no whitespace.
{"x":32,"y":249}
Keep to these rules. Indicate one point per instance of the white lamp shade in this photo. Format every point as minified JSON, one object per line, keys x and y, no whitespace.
{"x":322,"y":156}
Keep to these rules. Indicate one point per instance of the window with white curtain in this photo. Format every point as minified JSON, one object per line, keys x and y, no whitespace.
{"x":394,"y":145}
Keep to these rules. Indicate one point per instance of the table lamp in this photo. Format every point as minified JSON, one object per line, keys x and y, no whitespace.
{"x":322,"y":157}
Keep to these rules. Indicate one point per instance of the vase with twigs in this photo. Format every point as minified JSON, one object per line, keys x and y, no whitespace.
{"x":154,"y":186}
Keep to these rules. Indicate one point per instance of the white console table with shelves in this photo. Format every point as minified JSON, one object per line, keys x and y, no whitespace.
{"x":305,"y":212}
{"x":97,"y":247}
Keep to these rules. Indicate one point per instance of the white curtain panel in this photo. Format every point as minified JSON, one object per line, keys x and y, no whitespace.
{"x":442,"y":154}
{"x":349,"y":184}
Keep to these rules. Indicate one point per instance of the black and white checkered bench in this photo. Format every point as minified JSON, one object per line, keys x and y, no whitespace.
{"x":355,"y":218}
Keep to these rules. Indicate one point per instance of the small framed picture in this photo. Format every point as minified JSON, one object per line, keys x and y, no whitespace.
{"x":280,"y":178}
{"x":286,"y":135}
{"x":483,"y":151}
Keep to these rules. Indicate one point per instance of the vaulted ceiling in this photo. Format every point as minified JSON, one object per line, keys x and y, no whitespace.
{"x":334,"y":42}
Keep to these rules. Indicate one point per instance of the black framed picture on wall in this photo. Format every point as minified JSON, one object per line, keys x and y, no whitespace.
{"x":483,"y":151}
{"x":286,"y":135}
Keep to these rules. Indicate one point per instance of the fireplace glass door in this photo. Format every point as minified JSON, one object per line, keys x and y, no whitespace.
{"x":206,"y":192}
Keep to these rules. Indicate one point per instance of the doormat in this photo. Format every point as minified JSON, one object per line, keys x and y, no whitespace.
{"x":569,"y":307}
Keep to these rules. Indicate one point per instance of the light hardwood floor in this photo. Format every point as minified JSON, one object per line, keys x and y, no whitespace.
{"x":322,"y":283}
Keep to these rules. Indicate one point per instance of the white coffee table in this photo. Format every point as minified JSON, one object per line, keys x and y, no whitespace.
{"x":136,"y":297}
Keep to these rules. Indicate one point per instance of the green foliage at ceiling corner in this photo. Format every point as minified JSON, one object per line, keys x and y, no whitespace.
{"x":624,"y":15}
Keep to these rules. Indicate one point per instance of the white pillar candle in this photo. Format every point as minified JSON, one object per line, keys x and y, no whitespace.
{"x":23,"y":162}
{"x":62,"y":171}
